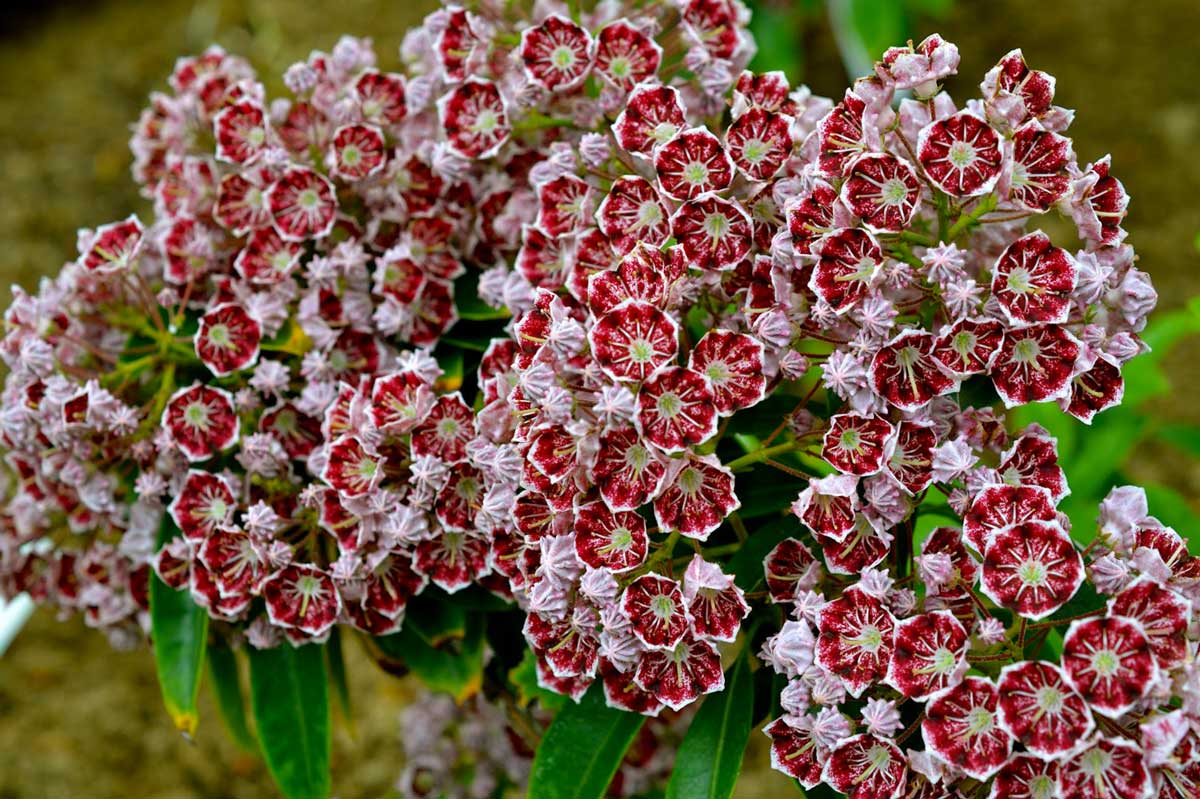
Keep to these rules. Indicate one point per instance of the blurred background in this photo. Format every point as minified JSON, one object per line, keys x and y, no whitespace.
{"x":78,"y":719}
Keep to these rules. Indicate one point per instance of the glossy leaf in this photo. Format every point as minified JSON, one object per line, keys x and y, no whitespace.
{"x":582,"y":749}
{"x":289,"y":694}
{"x":179,"y":630}
{"x":446,"y":660}
{"x":747,"y":564}
{"x":226,"y":684}
{"x":523,"y":677}
{"x":337,"y":675}
{"x":710,"y":757}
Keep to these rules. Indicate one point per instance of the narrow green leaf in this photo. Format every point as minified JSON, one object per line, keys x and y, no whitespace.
{"x":448,"y":663}
{"x":179,"y":630}
{"x":226,"y":684}
{"x":582,"y":749}
{"x":337,"y":675}
{"x":710,"y":757}
{"x":289,"y":694}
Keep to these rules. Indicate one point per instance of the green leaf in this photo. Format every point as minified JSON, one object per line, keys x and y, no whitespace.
{"x":1102,"y":452}
{"x":337,"y":675}
{"x":1183,"y":437}
{"x":582,"y":749}
{"x":446,"y":660}
{"x":179,"y":630}
{"x":863,"y":29}
{"x":523,"y":677}
{"x":226,"y":684}
{"x":1144,"y":376}
{"x":778,"y":30}
{"x":289,"y":694}
{"x":710,"y":757}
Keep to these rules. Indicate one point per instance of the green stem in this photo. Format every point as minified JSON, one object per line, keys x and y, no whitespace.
{"x":965,"y":221}
{"x":762,"y":454}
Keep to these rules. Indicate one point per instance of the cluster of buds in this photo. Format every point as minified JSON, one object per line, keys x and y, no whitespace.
{"x":473,"y":750}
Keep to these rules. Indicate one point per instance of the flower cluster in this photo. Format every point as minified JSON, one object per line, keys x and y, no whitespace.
{"x":473,"y":750}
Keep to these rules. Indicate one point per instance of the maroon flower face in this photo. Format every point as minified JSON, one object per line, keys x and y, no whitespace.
{"x":691,"y":164}
{"x":633,"y":341}
{"x":607,"y":540}
{"x":241,"y":204}
{"x":911,"y":459}
{"x":1013,"y":78}
{"x":866,"y":767}
{"x":1040,"y":160}
{"x":352,"y":469}
{"x":733,"y":364}
{"x":1164,"y":616}
{"x":633,"y":212}
{"x":766,"y":90}
{"x":446,"y":430}
{"x":474,"y":118}
{"x":714,"y":24}
{"x":380,"y":97}
{"x":1000,"y":506}
{"x":655,"y":607}
{"x":1109,"y":661}
{"x":849,"y":261}
{"x":717,"y":609}
{"x":628,"y":473}
{"x":233,"y":560}
{"x":856,"y":640}
{"x":810,"y":215}
{"x":622,"y":693}
{"x":201,"y":420}
{"x":794,"y":752}
{"x":1033,"y":281}
{"x":114,"y":247}
{"x":458,"y":501}
{"x":961,"y":727}
{"x":930,"y":654}
{"x":1025,"y":777}
{"x":1098,"y":389}
{"x":1041,"y":711}
{"x":759,"y":141}
{"x":840,"y":135}
{"x":565,"y":205}
{"x":1033,"y":460}
{"x":905,"y":373}
{"x":714,"y":233}
{"x":676,"y":409}
{"x":569,"y":649}
{"x":681,"y":675}
{"x":303,"y":205}
{"x":829,"y":506}
{"x":1111,"y":768}
{"x":227,"y":340}
{"x":787,"y":568}
{"x":855,"y":444}
{"x":557,"y":54}
{"x":553,"y":451}
{"x":391,"y":584}
{"x":204,"y":503}
{"x":452,"y":560}
{"x":267,"y":258}
{"x":653,"y":114}
{"x":883,"y":191}
{"x":302,"y":597}
{"x":625,"y":56}
{"x":698,"y":499}
{"x":241,"y":132}
{"x":1032,"y":569}
{"x":960,"y":154}
{"x":645,"y":274}
{"x":968,"y":347}
{"x":358,"y":152}
{"x":298,"y":433}
{"x":1035,"y":365}
{"x":400,"y":401}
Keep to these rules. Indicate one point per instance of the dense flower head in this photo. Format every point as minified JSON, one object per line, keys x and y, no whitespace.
{"x":741,"y":320}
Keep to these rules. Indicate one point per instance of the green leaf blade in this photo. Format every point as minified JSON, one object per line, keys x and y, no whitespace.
{"x":709,"y":760}
{"x":226,"y":684}
{"x":582,"y":749}
{"x":179,"y":630}
{"x":289,"y":694}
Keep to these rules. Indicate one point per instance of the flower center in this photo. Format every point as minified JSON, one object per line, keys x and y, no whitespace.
{"x":716,"y":226}
{"x":351,"y":155}
{"x":1032,"y":573}
{"x":961,"y":155}
{"x":196,"y":415}
{"x":1049,"y":699}
{"x":662,"y":606}
{"x":649,"y":214}
{"x":1019,"y":280}
{"x":755,"y":150}
{"x":562,"y":57}
{"x":894,"y":192}
{"x":669,"y":405}
{"x":979,"y":721}
{"x":1106,"y":662}
{"x":695,"y":173}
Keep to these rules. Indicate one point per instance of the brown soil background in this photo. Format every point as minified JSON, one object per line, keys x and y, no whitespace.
{"x":79,"y":720}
